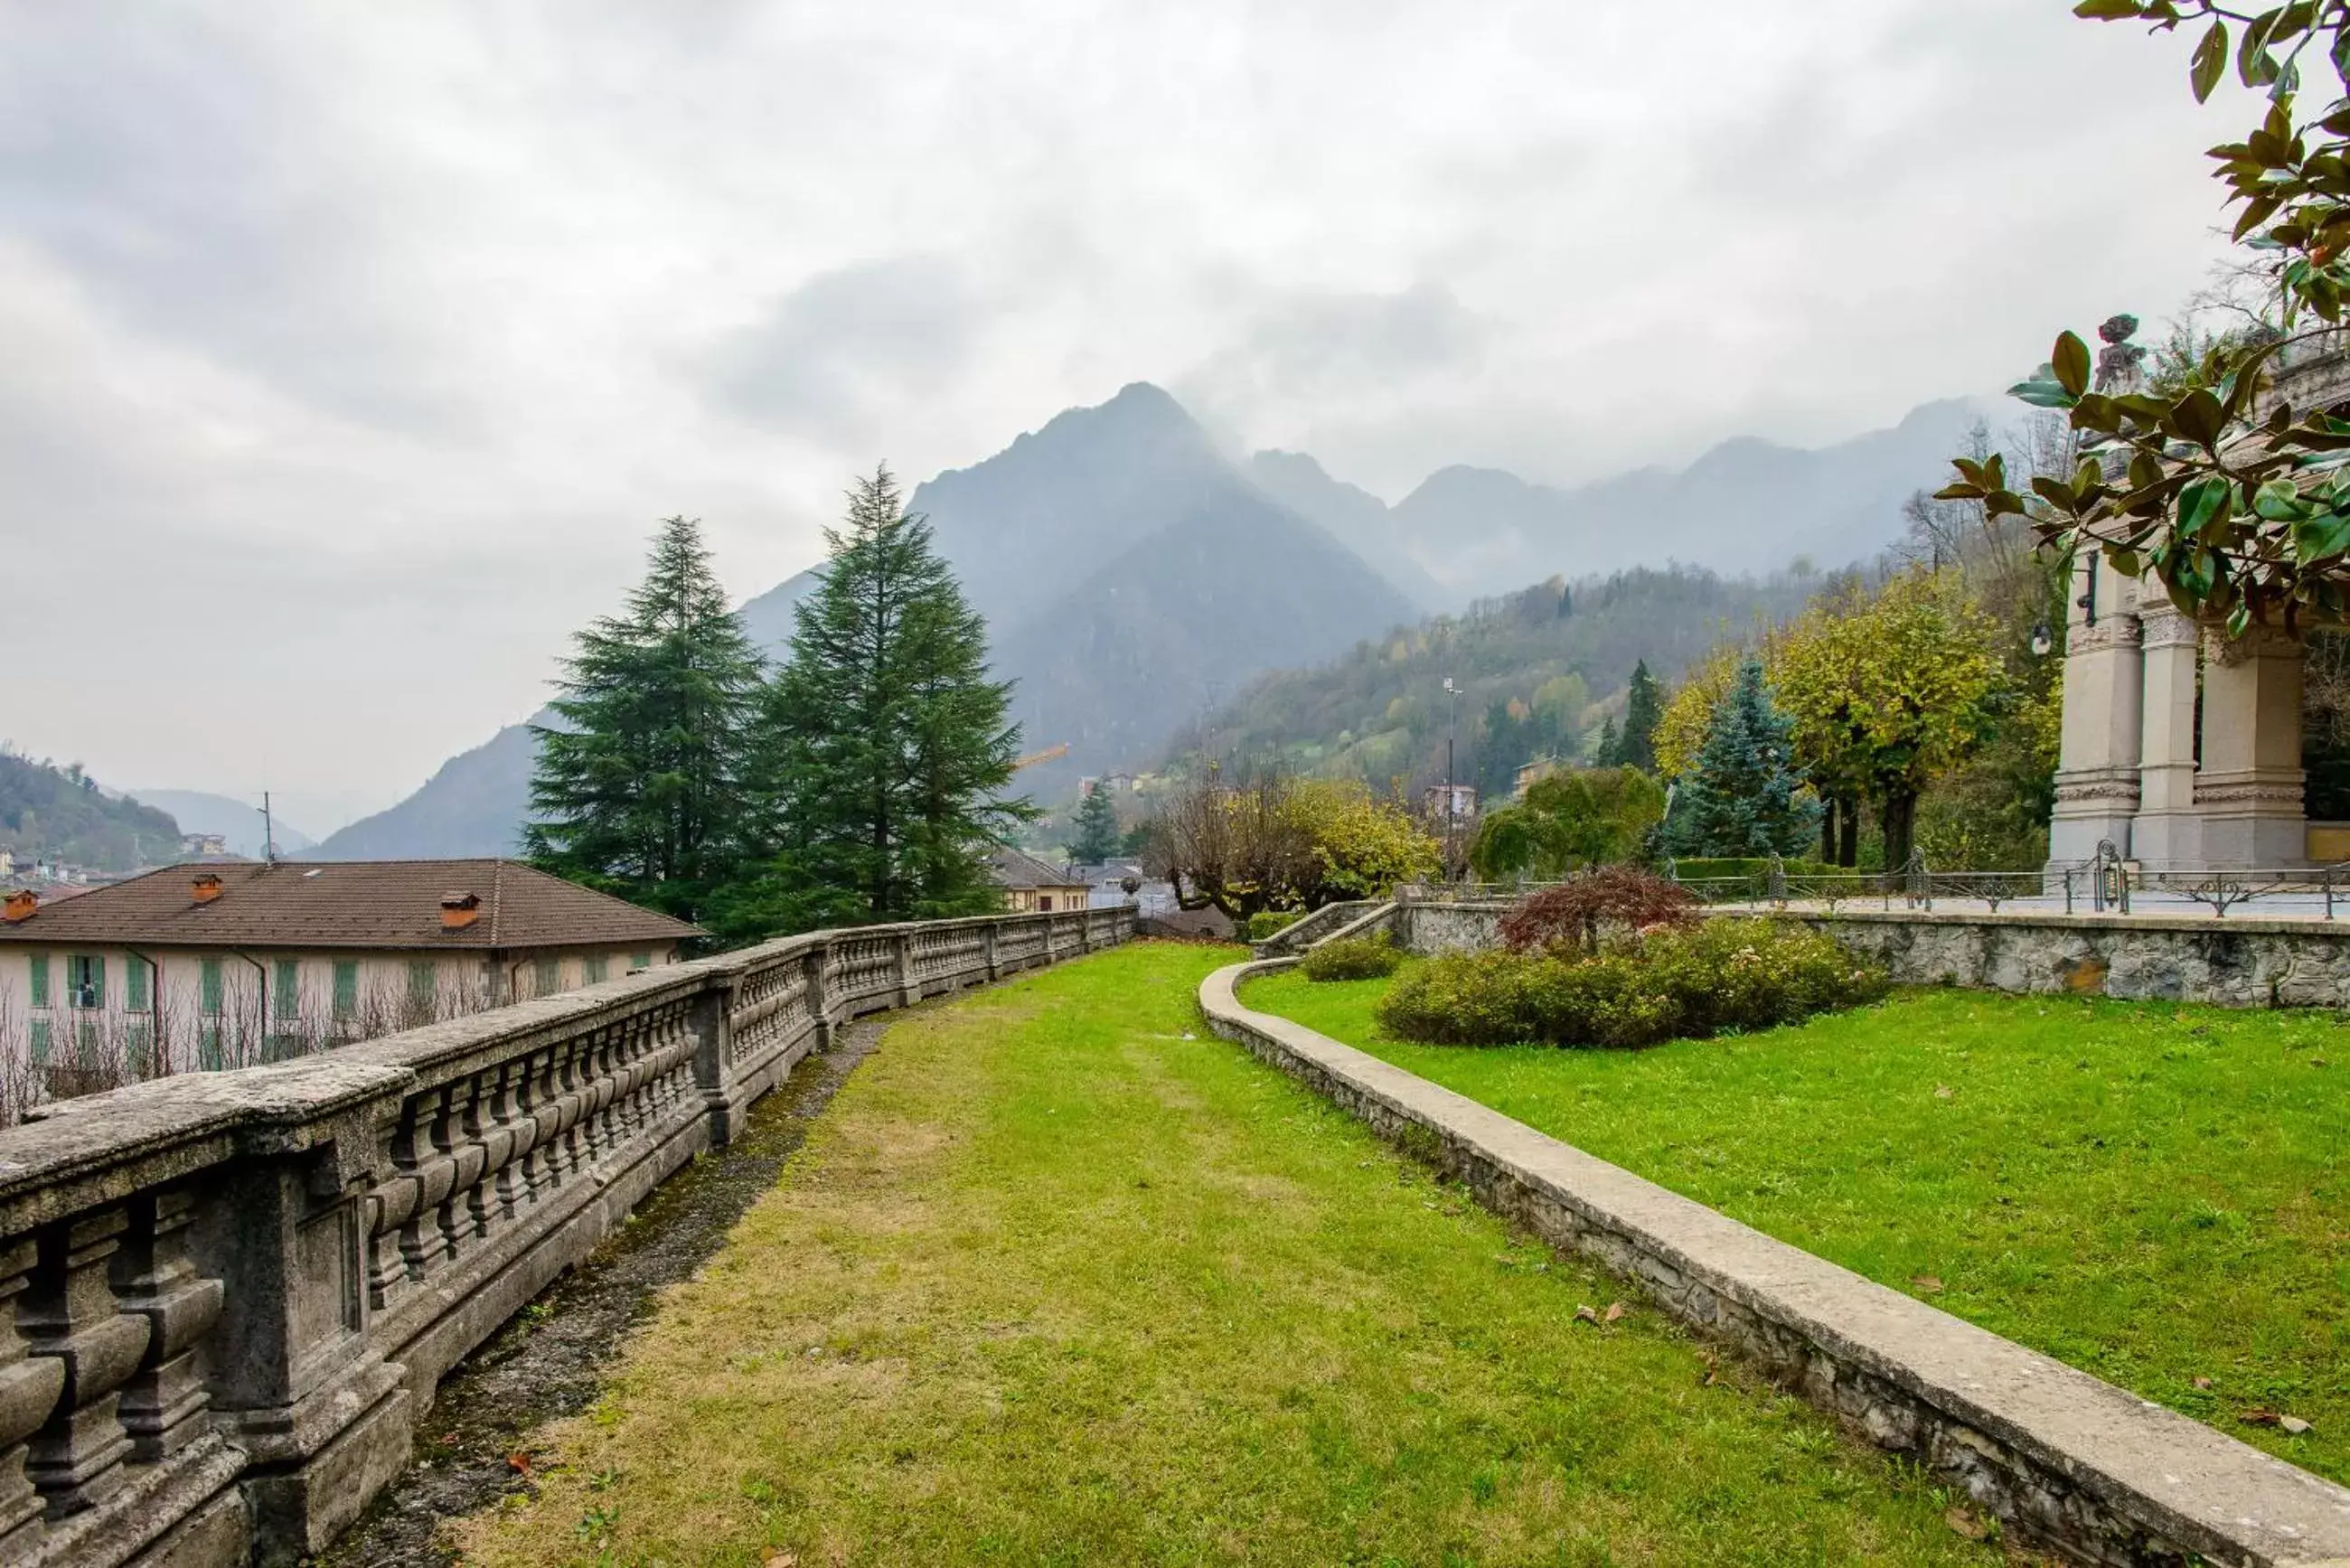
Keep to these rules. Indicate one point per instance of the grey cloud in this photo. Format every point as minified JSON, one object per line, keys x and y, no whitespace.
{"x":840,"y":353}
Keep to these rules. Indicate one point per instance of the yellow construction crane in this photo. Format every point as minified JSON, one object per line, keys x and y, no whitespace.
{"x":1048,"y":754}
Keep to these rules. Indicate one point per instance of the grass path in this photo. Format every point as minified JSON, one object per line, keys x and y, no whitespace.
{"x":2155,"y":1193}
{"x":1053,"y":1282}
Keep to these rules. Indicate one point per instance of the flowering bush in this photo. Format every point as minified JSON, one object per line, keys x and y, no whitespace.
{"x":1696,"y":982}
{"x":1574,"y":912}
{"x":1356,"y":958}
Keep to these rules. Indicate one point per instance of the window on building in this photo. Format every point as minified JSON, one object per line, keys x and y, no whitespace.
{"x":423,"y":990}
{"x":209,"y":987}
{"x":1044,"y":901}
{"x":85,"y":980}
{"x":138,"y":1047}
{"x":286,"y":991}
{"x":347,"y":990}
{"x":137,"y":995}
{"x":40,"y":1042}
{"x":640,"y":960}
{"x":40,"y":962}
{"x":594,"y":966}
{"x":550,"y":976}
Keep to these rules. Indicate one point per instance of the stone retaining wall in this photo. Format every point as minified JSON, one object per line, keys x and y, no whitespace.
{"x":2060,"y":1456}
{"x":2237,"y":961}
{"x":225,"y":1298}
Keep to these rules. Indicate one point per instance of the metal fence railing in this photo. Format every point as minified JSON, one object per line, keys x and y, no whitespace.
{"x":2106,"y":883}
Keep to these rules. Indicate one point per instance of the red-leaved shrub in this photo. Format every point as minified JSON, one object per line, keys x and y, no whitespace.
{"x":1572,"y":912}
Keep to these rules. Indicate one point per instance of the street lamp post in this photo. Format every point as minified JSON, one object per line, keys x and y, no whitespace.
{"x":1452,"y":784}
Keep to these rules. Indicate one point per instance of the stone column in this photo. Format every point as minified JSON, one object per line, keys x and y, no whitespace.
{"x":2097,"y":761}
{"x":2168,"y":835}
{"x":2250,"y":791}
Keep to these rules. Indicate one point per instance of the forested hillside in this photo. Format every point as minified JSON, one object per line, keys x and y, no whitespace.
{"x":48,"y":813}
{"x":1539,"y":673}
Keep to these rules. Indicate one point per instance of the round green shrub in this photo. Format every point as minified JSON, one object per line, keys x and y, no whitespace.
{"x":1266,"y":922}
{"x":1356,"y":958}
{"x":1718,"y":976}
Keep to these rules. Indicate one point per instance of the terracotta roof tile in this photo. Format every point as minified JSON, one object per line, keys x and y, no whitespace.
{"x":347,"y":904}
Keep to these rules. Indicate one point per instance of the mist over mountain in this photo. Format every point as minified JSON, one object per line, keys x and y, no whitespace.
{"x":1134,"y":578}
{"x":1745,"y":506}
{"x":239,"y":823}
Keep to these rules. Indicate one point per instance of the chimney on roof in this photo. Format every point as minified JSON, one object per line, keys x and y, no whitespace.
{"x":460,"y":910}
{"x":205,"y":887}
{"x":20,"y":906}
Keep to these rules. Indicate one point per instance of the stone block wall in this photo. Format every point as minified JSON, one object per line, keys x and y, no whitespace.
{"x":2237,"y":961}
{"x":226,"y":1298}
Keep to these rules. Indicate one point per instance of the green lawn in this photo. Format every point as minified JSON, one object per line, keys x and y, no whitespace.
{"x":1055,"y":1281}
{"x":2155,"y":1193}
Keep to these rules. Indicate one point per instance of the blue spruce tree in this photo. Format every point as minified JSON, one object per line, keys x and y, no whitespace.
{"x":1740,"y":798}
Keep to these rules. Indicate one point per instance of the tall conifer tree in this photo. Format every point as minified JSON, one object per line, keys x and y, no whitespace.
{"x":640,"y":793}
{"x":1096,"y":836}
{"x":883,"y":748}
{"x":1740,"y":799}
{"x":1642,"y":708}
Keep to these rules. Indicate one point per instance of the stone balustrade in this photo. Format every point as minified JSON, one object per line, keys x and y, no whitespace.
{"x":225,"y":1298}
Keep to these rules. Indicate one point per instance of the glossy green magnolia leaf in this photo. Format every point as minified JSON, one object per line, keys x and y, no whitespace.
{"x":2109,"y":10}
{"x":2070,"y":364}
{"x":1959,"y":490}
{"x":2125,"y":561}
{"x":2200,"y":417}
{"x":2240,"y":620}
{"x":2278,"y":501}
{"x":2315,"y":538}
{"x":2042,"y":394}
{"x":2204,"y":505}
{"x":2056,"y":493}
{"x":2211,"y":60}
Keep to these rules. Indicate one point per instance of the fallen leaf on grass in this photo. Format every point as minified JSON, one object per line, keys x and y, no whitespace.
{"x":2258,"y":1418}
{"x":783,"y":1560}
{"x":2293,"y":1424}
{"x":519,"y":1463}
{"x":1966,"y":1521}
{"x":1706,"y":1381}
{"x":1615,"y":1311}
{"x":1930,"y":1283}
{"x":2202,"y":1383}
{"x":1944,"y":1091}
{"x":1586,"y":1314}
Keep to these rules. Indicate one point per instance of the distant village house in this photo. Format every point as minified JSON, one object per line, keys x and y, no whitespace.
{"x":1029,"y":884}
{"x":218,"y":964}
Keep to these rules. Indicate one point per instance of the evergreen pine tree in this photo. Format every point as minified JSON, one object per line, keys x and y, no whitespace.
{"x":1610,"y":754}
{"x":1097,"y":834}
{"x":883,"y":746}
{"x":640,"y":793}
{"x":1740,"y":799}
{"x":1642,"y":707}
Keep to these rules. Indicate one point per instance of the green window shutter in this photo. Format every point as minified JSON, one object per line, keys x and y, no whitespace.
{"x":212,"y":988}
{"x":135,"y":997}
{"x":549,"y":976}
{"x":40,"y":1042}
{"x":285,"y":1005}
{"x":423,"y":982}
{"x":347,"y":988}
{"x":595,"y":969}
{"x":40,"y":962}
{"x":138,"y":1045}
{"x":209,"y":1055}
{"x":640,"y":960}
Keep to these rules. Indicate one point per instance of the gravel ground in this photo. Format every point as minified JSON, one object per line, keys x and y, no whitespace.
{"x":549,"y":1361}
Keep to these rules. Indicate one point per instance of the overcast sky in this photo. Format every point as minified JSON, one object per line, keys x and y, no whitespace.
{"x":350,"y":352}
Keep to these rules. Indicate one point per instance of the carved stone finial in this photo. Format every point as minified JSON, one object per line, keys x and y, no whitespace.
{"x":2119,"y":360}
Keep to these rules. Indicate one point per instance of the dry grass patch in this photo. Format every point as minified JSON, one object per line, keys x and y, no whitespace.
{"x":1052,"y":1284}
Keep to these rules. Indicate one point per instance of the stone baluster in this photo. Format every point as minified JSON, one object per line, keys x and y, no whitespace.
{"x":987,"y":952}
{"x":812,"y":993}
{"x":29,"y":1386}
{"x":75,"y":1461}
{"x":910,"y":990}
{"x":712,"y":1027}
{"x":163,"y":1403}
{"x":460,"y":1225}
{"x":521,"y":1133}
